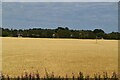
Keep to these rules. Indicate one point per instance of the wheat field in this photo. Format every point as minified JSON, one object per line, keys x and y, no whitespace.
{"x":61,"y":56}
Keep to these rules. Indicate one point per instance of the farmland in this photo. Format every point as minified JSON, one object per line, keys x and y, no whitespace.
{"x":61,"y":56}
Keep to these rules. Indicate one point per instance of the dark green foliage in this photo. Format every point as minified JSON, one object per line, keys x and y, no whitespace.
{"x":81,"y":76}
{"x":60,"y":32}
{"x":98,"y":31}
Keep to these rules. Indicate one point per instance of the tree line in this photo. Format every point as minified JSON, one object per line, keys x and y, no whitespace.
{"x":60,"y":32}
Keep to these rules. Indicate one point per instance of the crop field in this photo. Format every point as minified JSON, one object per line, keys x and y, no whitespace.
{"x":61,"y":56}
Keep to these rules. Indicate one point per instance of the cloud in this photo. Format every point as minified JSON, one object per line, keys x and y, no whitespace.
{"x":0,"y":14}
{"x":60,"y":0}
{"x":76,"y":15}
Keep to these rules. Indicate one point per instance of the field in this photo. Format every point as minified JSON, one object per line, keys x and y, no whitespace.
{"x":61,"y":56}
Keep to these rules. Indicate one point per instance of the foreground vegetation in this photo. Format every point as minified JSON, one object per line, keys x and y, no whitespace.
{"x":60,"y":32}
{"x":80,"y":76}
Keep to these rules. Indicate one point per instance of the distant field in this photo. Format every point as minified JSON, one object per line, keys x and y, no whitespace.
{"x":61,"y":56}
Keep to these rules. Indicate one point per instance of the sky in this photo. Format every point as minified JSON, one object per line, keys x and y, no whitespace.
{"x":60,"y":0}
{"x":74,"y":15}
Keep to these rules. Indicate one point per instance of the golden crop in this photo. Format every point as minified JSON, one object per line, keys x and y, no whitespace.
{"x":61,"y":56}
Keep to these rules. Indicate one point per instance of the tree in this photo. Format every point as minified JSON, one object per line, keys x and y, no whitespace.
{"x":98,"y":31}
{"x":60,"y":32}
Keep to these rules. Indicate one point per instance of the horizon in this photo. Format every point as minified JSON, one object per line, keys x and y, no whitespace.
{"x":57,"y":27}
{"x":74,"y":15}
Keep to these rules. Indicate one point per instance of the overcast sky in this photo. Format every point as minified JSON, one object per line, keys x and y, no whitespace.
{"x":74,"y":15}
{"x":60,"y":0}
